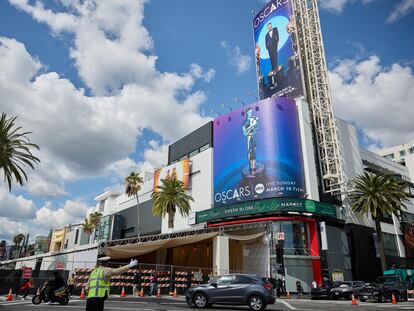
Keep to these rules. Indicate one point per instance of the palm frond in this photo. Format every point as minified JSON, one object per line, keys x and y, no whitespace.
{"x":15,"y":151}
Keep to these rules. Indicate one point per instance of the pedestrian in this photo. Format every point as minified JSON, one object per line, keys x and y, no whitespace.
{"x":71,"y":283}
{"x":154,"y":284}
{"x":137,"y":283}
{"x":99,"y":283}
{"x":26,"y":288}
{"x":299,"y":288}
{"x":279,"y":287}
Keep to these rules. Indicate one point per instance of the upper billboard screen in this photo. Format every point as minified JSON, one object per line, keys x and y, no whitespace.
{"x":180,"y":169}
{"x":276,"y":51}
{"x":258,"y":153}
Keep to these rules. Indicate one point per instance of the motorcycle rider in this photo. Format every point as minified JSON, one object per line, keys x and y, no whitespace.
{"x":55,"y":282}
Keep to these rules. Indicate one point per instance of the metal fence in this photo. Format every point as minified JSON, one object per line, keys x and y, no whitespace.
{"x":170,"y":278}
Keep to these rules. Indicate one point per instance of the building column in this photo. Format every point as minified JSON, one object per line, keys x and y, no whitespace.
{"x":314,"y":248}
{"x":221,"y":262}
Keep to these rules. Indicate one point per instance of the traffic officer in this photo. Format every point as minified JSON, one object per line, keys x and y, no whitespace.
{"x":99,"y":282}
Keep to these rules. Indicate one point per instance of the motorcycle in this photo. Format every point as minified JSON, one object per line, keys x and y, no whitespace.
{"x":60,"y":295}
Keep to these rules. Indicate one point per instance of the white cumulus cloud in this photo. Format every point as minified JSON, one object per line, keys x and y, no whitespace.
{"x":377,"y":99}
{"x":241,"y":61}
{"x":403,"y":8}
{"x":80,"y":135}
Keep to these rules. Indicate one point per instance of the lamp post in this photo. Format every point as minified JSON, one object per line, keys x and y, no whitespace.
{"x":226,"y":106}
{"x":253,"y":95}
{"x":238,"y":100}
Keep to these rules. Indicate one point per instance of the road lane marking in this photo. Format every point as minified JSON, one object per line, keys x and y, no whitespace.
{"x":288,"y":305}
{"x":7,"y":303}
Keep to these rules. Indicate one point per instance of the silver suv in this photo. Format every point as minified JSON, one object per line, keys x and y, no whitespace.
{"x":233,"y":289}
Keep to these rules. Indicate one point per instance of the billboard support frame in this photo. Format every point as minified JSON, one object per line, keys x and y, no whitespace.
{"x":319,"y":95}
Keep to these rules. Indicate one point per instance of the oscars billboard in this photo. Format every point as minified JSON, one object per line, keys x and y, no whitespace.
{"x":258,"y":153}
{"x":277,"y":58}
{"x":181,"y":170}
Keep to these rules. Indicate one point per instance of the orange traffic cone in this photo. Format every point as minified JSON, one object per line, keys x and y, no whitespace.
{"x":354,"y":302}
{"x":175,"y":293}
{"x":123,"y":292}
{"x":10,"y":295}
{"x":141,"y":293}
{"x":288,"y":295}
{"x":393,"y":300}
{"x":82,"y":295}
{"x":158,"y":293}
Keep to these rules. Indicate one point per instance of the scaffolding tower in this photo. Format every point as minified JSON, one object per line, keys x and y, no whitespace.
{"x":318,"y":94}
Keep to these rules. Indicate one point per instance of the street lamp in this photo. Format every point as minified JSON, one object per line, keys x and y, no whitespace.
{"x":216,"y":112}
{"x":226,"y":106}
{"x":253,"y":95}
{"x":238,"y":100}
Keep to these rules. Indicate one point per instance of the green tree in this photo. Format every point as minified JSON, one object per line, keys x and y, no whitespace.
{"x":378,"y":195}
{"x":87,"y":227}
{"x":18,"y":239}
{"x":15,"y":151}
{"x":170,"y":196}
{"x":133,"y":184}
{"x":95,"y":219}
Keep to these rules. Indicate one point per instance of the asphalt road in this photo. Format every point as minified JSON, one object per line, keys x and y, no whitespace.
{"x":178,"y":304}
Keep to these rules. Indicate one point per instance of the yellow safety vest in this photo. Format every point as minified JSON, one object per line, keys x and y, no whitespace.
{"x":98,"y":285}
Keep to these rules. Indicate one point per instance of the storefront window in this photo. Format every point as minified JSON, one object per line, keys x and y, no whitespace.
{"x":390,"y":244}
{"x":296,"y":238}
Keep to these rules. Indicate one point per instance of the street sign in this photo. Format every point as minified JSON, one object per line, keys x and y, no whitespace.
{"x":280,"y":236}
{"x":26,"y":272}
{"x":198,"y":276}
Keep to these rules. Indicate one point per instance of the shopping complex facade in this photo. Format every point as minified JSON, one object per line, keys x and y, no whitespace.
{"x":270,"y":182}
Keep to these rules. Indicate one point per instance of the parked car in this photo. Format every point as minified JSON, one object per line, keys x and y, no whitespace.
{"x":347,"y":289}
{"x":382,"y":292}
{"x":324,"y":291}
{"x":234,"y":289}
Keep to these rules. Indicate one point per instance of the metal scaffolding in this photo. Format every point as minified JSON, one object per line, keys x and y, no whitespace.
{"x":181,"y":234}
{"x":318,"y":94}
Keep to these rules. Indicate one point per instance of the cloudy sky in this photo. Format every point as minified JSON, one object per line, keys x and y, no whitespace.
{"x":105,"y":86}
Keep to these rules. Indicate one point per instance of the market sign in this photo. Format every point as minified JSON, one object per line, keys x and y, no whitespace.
{"x":278,"y":205}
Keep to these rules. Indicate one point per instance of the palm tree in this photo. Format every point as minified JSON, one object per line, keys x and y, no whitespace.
{"x":87,"y":227}
{"x":15,"y":151}
{"x":170,"y":196}
{"x":3,"y":245}
{"x":18,"y":239}
{"x":378,"y":195}
{"x":133,"y":184}
{"x":95,"y":219}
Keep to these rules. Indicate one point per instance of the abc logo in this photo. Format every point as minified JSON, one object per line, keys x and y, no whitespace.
{"x":259,"y":188}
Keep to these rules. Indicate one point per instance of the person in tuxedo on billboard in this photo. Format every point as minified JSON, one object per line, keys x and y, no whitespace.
{"x":272,"y":40}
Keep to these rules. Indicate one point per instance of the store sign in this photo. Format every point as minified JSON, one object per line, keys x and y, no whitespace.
{"x":60,"y":265}
{"x":266,"y":206}
{"x":337,"y":276}
{"x":26,"y":272}
{"x":280,"y":236}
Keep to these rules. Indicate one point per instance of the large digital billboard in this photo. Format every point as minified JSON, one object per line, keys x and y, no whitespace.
{"x":181,"y":170}
{"x":277,"y":57}
{"x":258,"y":153}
